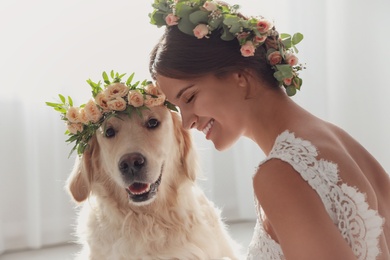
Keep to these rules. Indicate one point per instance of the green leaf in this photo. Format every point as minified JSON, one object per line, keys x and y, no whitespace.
{"x":284,"y":71}
{"x":112,"y":74}
{"x":128,"y":82}
{"x":62,"y":98}
{"x":170,"y":106}
{"x":199,"y":16}
{"x":226,"y":34}
{"x":231,"y":20}
{"x":105,"y":78}
{"x":291,"y":91}
{"x":297,"y":38}
{"x":215,"y":23}
{"x":50,"y":104}
{"x":157,"y":18}
{"x":70,"y":101}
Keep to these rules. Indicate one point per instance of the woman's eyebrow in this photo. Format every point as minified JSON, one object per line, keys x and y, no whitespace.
{"x":183,"y":90}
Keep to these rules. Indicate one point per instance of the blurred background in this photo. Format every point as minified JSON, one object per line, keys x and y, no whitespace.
{"x":50,"y":47}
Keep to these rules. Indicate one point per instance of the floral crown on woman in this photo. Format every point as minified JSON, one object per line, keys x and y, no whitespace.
{"x":200,"y":17}
{"x":113,"y":98}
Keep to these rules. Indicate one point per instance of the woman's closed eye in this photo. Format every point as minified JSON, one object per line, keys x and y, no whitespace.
{"x":190,"y":98}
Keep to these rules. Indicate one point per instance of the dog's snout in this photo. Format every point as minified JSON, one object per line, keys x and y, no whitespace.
{"x":131,"y":163}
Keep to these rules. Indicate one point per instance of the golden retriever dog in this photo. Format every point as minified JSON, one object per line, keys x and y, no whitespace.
{"x":136,"y":183}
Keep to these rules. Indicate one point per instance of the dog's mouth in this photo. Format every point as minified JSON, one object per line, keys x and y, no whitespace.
{"x":141,"y":192}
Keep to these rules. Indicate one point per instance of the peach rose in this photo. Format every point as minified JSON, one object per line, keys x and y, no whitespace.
{"x":275,"y":58}
{"x":75,"y":128}
{"x":248,"y":49}
{"x":117,"y":104}
{"x":152,"y":102}
{"x":201,"y":30}
{"x":73,"y":115}
{"x":291,"y":59}
{"x":210,"y":6}
{"x":135,"y":98}
{"x":83,"y":116}
{"x":92,"y":111}
{"x":116,"y":90}
{"x":152,"y":90}
{"x":171,"y":19}
{"x":101,"y":99}
{"x":264,"y":25}
{"x":287,"y":82}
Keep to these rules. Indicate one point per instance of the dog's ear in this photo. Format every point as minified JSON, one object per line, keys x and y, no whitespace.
{"x":187,"y":153}
{"x":80,"y":179}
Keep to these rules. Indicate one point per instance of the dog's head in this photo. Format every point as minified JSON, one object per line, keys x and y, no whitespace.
{"x":131,"y":157}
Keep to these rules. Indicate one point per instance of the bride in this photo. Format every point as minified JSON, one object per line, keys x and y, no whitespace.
{"x":318,"y":194}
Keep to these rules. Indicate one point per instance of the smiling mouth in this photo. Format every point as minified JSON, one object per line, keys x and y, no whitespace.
{"x":206,"y":130}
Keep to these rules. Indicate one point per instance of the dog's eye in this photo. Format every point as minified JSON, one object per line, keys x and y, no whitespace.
{"x":152,"y":123}
{"x":110,"y":132}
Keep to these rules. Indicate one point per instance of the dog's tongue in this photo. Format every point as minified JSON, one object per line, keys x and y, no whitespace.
{"x":139,"y":188}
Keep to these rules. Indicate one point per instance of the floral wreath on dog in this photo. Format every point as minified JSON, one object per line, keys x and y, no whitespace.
{"x":113,"y":98}
{"x":200,"y":17}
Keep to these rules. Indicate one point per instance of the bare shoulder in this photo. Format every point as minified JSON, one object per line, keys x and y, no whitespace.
{"x":297,"y":215}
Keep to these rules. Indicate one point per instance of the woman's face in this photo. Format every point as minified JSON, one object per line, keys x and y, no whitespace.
{"x":209,"y":104}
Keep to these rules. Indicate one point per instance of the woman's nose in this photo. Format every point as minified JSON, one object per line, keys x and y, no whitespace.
{"x":188,"y":120}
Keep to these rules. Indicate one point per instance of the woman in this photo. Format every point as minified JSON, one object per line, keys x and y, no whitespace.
{"x":319,"y":194}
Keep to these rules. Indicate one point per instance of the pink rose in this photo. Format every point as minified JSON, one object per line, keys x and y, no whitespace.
{"x":275,"y":58}
{"x":73,"y":115}
{"x":83,"y":116}
{"x":116,"y":90}
{"x":201,"y":30}
{"x":101,"y":99}
{"x":287,"y":82}
{"x":264,"y":25}
{"x":261,"y":39}
{"x":152,"y":90}
{"x":118,"y":104}
{"x":291,"y":59}
{"x":152,"y":102}
{"x":248,"y":49}
{"x":171,"y":19}
{"x":135,"y":98}
{"x":92,"y":111}
{"x":75,"y":128}
{"x":210,"y":6}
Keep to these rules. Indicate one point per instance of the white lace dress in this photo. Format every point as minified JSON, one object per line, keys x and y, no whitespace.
{"x":359,"y":225}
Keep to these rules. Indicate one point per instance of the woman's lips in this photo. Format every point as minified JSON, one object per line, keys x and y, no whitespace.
{"x":208,"y":127}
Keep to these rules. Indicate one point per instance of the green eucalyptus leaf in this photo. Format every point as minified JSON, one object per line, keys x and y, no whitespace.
{"x":231,"y":20}
{"x":186,"y":26}
{"x":226,"y":34}
{"x":291,"y":91}
{"x":297,"y":38}
{"x":215,"y":23}
{"x":199,"y":16}
{"x":284,"y":71}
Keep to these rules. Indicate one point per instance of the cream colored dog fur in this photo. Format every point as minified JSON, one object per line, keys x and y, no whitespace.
{"x":136,"y":185}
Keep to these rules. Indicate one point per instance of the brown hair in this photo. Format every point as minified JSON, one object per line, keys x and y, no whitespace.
{"x":178,"y":55}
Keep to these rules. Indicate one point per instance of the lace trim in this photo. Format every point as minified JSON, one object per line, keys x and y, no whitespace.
{"x":347,"y":207}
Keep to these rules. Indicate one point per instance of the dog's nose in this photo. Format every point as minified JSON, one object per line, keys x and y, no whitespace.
{"x":131,"y":163}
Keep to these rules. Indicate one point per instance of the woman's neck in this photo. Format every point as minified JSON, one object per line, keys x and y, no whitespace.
{"x":269,"y":113}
